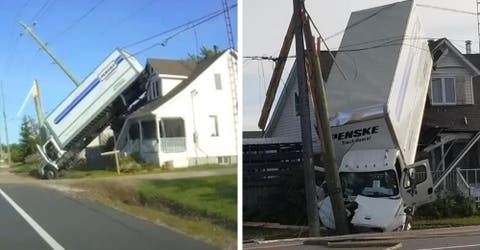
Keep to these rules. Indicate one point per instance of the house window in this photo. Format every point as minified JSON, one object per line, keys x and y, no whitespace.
{"x":443,"y":90}
{"x":172,"y":127}
{"x":149,"y":130}
{"x":218,"y":82}
{"x":213,"y":125}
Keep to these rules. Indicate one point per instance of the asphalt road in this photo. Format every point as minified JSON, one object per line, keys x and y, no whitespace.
{"x":465,"y":238}
{"x":32,"y":217}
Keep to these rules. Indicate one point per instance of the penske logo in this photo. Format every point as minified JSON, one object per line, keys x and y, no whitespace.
{"x":352,"y":134}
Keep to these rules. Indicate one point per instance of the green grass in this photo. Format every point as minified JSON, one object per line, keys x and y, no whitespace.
{"x":211,"y":197}
{"x":447,"y":222}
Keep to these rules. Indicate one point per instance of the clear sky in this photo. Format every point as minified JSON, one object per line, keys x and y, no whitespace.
{"x":83,"y":33}
{"x":264,"y":28}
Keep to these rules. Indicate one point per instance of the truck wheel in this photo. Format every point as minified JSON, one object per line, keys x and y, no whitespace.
{"x":50,"y":173}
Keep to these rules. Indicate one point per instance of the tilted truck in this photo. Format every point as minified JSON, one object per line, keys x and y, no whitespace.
{"x":376,"y":115}
{"x":105,"y":94}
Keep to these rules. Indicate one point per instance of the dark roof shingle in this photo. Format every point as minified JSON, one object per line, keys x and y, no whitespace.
{"x":172,"y":67}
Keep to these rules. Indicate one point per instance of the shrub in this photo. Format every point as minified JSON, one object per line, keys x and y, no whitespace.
{"x":450,"y":206}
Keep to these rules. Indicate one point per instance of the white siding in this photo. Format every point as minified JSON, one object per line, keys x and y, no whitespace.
{"x":286,"y":126}
{"x":196,"y":110}
{"x":167,"y":84}
{"x":451,"y":66}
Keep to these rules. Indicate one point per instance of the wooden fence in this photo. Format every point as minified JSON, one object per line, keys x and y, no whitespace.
{"x":267,"y":169}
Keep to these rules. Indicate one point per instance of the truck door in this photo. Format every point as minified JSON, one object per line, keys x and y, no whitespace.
{"x":416,"y":186}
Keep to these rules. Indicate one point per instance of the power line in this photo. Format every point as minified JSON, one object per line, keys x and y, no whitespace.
{"x":37,"y":14}
{"x":382,"y":45}
{"x":189,"y":25}
{"x":40,"y":15}
{"x":78,"y":20}
{"x":360,"y":21}
{"x":446,"y":9}
{"x":129,"y":16}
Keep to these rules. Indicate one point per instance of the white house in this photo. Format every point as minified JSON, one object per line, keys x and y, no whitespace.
{"x":191,"y":114}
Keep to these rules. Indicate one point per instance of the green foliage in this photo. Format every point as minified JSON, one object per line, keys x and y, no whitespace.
{"x":205,"y":53}
{"x":16,"y":153}
{"x":212,"y":197}
{"x":29,"y":137}
{"x":448,"y":207}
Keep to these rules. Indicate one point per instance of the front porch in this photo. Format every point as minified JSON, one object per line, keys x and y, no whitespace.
{"x":159,"y":140}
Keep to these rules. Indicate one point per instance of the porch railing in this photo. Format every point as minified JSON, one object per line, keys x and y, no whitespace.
{"x":472,"y":178}
{"x":173,"y":144}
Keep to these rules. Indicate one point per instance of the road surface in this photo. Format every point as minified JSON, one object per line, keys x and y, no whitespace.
{"x":33,"y":217}
{"x":464,"y":238}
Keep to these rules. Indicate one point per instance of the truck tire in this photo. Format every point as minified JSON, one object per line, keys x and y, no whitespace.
{"x":50,"y":173}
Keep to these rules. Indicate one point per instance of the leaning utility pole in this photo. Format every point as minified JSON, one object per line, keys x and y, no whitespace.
{"x":50,"y":53}
{"x":309,"y":175}
{"x":9,"y":158}
{"x":39,"y":110}
{"x":324,"y":132}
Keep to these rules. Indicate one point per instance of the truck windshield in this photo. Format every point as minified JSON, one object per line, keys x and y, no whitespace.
{"x":371,"y":184}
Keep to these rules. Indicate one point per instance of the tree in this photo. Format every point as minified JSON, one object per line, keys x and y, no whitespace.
{"x":205,"y":53}
{"x":29,"y":137}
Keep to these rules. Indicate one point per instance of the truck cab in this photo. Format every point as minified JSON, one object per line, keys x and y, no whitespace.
{"x":380,"y":191}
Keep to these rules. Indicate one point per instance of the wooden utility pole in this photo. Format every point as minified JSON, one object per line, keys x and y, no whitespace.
{"x":39,"y":110}
{"x":324,"y":133}
{"x":309,"y":176}
{"x":277,"y":74}
{"x":50,"y":53}
{"x":9,"y":157}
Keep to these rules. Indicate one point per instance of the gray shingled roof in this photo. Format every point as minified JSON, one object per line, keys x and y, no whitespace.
{"x":172,"y":67}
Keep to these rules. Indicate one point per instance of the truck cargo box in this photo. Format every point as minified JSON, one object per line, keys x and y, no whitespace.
{"x":387,"y":62}
{"x":92,"y":96}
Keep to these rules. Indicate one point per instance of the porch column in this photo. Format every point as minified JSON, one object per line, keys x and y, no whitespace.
{"x":159,"y":140}
{"x":442,"y":148}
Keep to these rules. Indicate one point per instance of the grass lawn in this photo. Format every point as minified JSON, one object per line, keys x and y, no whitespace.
{"x":447,"y":222}
{"x":212,"y":197}
{"x":204,"y":207}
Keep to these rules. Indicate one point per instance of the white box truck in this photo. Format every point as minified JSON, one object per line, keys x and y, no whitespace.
{"x":376,"y":115}
{"x":88,"y":110}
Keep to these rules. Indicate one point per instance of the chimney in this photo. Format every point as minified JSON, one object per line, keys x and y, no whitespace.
{"x":468,"y":47}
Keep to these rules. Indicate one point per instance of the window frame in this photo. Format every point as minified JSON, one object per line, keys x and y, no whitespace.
{"x":218,"y":81}
{"x":444,"y":96}
{"x":215,"y":132}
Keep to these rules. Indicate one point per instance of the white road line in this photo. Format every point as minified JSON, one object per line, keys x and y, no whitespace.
{"x":46,"y":237}
{"x":451,"y":247}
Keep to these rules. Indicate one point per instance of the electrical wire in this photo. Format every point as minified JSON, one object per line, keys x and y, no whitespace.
{"x":40,"y":10}
{"x":446,"y":9}
{"x":191,"y":26}
{"x":45,"y":11}
{"x":79,"y":19}
{"x":360,"y":21}
{"x":187,"y":24}
{"x":127,"y":17}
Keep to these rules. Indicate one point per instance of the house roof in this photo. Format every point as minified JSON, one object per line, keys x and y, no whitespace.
{"x":172,"y":67}
{"x":326,"y":62}
{"x":470,"y":60}
{"x":196,"y":71}
{"x":474,"y":59}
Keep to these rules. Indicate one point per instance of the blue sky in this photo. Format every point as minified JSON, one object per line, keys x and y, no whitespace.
{"x":82,"y":45}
